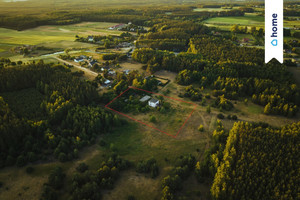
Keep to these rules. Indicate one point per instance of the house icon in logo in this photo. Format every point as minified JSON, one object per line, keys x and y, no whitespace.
{"x":274,"y":42}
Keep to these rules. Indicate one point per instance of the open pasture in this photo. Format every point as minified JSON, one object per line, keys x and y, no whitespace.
{"x":56,"y":36}
{"x":247,"y":20}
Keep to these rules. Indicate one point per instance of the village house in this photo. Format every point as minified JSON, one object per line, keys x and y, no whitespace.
{"x":153,"y":103}
{"x":117,"y":27}
{"x":126,"y":71}
{"x":90,"y":38}
{"x":105,"y":68}
{"x":80,"y":58}
{"x":124,"y":45}
{"x":107,"y":83}
{"x":91,"y":63}
{"x":111,"y":72}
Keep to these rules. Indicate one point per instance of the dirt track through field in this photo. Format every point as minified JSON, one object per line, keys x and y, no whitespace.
{"x":87,"y":72}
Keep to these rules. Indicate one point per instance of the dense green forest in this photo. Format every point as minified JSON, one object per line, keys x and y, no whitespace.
{"x":270,"y":85}
{"x":49,"y":113}
{"x":258,"y":163}
{"x":66,"y":117}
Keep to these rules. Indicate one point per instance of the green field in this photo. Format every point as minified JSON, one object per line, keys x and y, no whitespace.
{"x":53,"y":36}
{"x":133,"y":142}
{"x":212,"y":9}
{"x":247,"y":20}
{"x":250,"y":19}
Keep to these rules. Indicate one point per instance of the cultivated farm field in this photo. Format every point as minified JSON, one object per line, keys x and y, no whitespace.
{"x":53,"y":36}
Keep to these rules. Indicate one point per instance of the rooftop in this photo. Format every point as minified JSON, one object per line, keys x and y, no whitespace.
{"x":153,"y":100}
{"x":145,"y":98}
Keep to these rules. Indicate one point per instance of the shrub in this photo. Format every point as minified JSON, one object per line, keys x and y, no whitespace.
{"x":234,"y":117}
{"x":29,"y":170}
{"x":220,"y":116}
{"x":148,"y":166}
{"x":62,"y":157}
{"x":152,"y":119}
{"x":21,"y":161}
{"x":82,"y":167}
{"x":49,"y":193}
{"x":201,"y":128}
{"x":208,"y":110}
{"x":55,"y":179}
{"x":131,"y":197}
{"x":102,"y":143}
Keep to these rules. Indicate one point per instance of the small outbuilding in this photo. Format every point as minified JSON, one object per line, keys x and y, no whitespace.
{"x":145,"y":98}
{"x":153,"y":103}
{"x":106,"y":82}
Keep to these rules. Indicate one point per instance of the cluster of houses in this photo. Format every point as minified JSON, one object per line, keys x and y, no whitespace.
{"x":124,"y":45}
{"x":118,"y":27}
{"x":245,"y":41}
{"x":126,"y":27}
{"x":151,"y":101}
{"x":112,"y":73}
{"x":80,"y":58}
{"x":83,"y":58}
{"x":90,"y":38}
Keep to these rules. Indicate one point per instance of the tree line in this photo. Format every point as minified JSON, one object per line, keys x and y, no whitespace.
{"x":71,"y":119}
{"x":258,"y":163}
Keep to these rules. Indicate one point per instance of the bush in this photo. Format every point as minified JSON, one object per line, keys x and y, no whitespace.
{"x":220,"y":116}
{"x":148,"y":166}
{"x":62,"y":157}
{"x":234,"y":117}
{"x":173,"y":182}
{"x":29,"y":170}
{"x":208,"y":110}
{"x":49,"y":193}
{"x":201,"y":128}
{"x":55,"y":179}
{"x":152,"y":119}
{"x":131,"y":197}
{"x":21,"y":161}
{"x":102,"y":143}
{"x":82,"y":167}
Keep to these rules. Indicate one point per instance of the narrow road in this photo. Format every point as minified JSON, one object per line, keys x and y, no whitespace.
{"x":86,"y":71}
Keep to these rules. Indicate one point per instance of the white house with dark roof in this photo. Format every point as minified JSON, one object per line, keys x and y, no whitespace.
{"x":153,"y":103}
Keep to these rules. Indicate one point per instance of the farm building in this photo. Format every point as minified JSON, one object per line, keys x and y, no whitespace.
{"x":119,"y":26}
{"x":80,"y":58}
{"x":153,"y":103}
{"x":106,"y":82}
{"x":90,"y":38}
{"x":145,"y":98}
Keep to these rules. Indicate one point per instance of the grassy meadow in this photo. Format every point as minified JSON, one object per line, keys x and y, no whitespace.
{"x":250,"y":19}
{"x":225,"y":23}
{"x":54,"y":36}
{"x":212,"y":9}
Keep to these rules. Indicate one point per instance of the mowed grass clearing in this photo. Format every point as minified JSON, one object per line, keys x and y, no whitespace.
{"x":248,"y":20}
{"x":213,"y":9}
